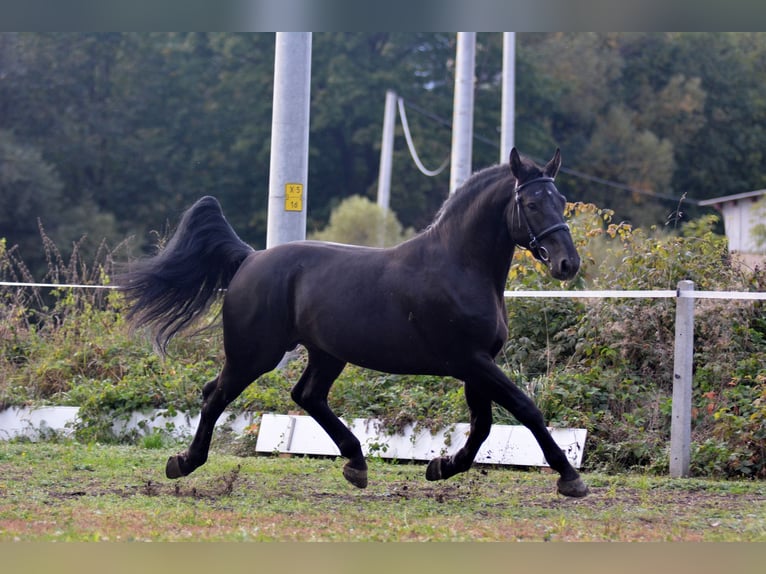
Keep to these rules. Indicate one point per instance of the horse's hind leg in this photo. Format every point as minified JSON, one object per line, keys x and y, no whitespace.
{"x":481,"y":423}
{"x":311,"y":394}
{"x":216,"y":396}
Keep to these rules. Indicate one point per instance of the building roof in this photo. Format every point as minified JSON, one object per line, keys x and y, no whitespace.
{"x":736,"y":197}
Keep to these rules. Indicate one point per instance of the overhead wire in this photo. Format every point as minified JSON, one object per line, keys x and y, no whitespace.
{"x":569,"y":171}
{"x":413,"y":152}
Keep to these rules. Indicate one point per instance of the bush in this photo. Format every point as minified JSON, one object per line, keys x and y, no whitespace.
{"x":429,"y":402}
{"x":607,"y":365}
{"x":72,"y":347}
{"x":359,"y":221}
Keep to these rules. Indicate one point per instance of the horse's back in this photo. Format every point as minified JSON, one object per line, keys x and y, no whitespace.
{"x":285,"y":282}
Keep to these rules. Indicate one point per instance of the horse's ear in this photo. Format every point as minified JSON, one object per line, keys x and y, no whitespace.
{"x":552,"y":167}
{"x":515,"y":163}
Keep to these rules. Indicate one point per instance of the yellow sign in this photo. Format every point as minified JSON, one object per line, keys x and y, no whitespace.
{"x":293,"y":197}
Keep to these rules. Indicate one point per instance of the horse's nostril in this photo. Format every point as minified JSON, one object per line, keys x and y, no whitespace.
{"x":568,"y":268}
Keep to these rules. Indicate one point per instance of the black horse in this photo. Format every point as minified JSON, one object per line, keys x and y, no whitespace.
{"x":431,"y":305}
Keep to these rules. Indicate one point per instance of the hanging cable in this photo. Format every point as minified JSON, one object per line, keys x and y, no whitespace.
{"x":411,"y":146}
{"x":574,"y":173}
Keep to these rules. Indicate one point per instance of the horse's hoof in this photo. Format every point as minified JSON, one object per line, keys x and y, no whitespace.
{"x":575,"y":488}
{"x":434,"y":469}
{"x":355,"y":476}
{"x":173,"y":467}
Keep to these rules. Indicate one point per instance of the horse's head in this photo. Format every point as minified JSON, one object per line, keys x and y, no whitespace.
{"x":537,"y":216}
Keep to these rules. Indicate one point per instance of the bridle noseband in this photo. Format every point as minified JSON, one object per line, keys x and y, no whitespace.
{"x":534,"y":239}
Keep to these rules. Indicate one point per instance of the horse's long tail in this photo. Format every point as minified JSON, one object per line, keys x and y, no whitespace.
{"x":171,"y":290}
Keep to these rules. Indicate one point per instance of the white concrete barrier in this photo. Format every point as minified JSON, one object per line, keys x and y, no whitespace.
{"x":506,"y":444}
{"x":297,"y":434}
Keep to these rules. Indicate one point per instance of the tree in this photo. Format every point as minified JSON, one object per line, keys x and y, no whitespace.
{"x":137,"y":126}
{"x":359,"y":221}
{"x":638,"y":158}
{"x":725,"y":155}
{"x":30,"y":189}
{"x":351,"y":73}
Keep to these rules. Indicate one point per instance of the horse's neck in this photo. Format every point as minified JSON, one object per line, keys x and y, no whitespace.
{"x":479,"y":238}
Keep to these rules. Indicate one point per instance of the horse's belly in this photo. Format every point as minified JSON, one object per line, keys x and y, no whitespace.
{"x":395,"y":359}
{"x":383,"y":349}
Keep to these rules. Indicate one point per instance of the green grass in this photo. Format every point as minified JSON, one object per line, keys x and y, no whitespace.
{"x":74,"y":492}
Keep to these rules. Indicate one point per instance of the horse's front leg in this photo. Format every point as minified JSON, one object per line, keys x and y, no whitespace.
{"x":502,"y":391}
{"x":480,"y":407}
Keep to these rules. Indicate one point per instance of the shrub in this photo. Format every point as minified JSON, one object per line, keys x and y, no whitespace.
{"x":608,"y":364}
{"x":429,"y":402}
{"x":359,"y":221}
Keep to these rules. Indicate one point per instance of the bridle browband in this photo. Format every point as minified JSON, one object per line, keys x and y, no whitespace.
{"x":534,"y":239}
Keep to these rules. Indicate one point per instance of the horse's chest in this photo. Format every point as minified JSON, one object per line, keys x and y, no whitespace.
{"x":487,"y":323}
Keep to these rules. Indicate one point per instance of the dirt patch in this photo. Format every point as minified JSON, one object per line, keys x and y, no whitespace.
{"x":216,"y":489}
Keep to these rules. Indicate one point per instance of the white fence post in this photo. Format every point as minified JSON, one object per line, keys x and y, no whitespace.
{"x":681,"y":423}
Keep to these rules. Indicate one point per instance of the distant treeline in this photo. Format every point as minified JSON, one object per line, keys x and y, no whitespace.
{"x":111,"y":135}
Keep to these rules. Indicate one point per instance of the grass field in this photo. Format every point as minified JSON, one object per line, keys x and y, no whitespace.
{"x":74,"y":492}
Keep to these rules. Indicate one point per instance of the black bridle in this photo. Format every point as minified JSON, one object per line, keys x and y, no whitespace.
{"x":534,"y":239}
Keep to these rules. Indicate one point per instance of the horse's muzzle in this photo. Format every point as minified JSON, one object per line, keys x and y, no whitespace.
{"x":564,"y":268}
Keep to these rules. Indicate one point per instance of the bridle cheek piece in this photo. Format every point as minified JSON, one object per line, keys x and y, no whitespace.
{"x":534,"y":239}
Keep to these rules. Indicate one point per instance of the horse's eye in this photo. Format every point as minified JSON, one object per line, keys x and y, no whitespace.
{"x":532,"y":206}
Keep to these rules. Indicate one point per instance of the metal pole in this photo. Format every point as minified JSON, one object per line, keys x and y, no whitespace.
{"x":289,"y":139}
{"x":462,"y":114}
{"x":681,"y":425}
{"x":508,"y":104}
{"x":387,"y":151}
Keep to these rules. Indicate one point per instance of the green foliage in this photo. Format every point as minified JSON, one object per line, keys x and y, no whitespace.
{"x":117,"y":132}
{"x":72,"y":347}
{"x":399,"y":400}
{"x":620,"y":150}
{"x":30,"y":190}
{"x":359,"y":221}
{"x":607,"y":365}
{"x":271,"y":392}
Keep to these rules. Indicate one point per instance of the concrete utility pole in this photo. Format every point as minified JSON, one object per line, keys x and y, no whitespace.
{"x":289,"y":139}
{"x":462,"y":111}
{"x":508,"y":107}
{"x":387,"y":151}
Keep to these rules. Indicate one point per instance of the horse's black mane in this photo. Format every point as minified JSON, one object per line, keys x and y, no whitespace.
{"x":465,"y":197}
